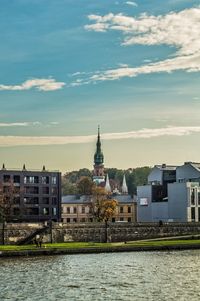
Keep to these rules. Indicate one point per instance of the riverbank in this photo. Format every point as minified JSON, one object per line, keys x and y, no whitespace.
{"x":89,"y":248}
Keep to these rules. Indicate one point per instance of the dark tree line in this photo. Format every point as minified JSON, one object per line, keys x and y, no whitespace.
{"x":71,"y":181}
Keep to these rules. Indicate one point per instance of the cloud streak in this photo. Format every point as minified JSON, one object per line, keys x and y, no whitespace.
{"x":20,"y":124}
{"x":131,"y":3}
{"x":40,"y":84}
{"x":8,"y":141}
{"x":177,"y":29}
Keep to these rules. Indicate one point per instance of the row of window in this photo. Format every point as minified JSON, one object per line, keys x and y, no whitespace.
{"x":73,"y":210}
{"x":30,"y":190}
{"x":83,"y":220}
{"x":30,"y":179}
{"x":35,"y":211}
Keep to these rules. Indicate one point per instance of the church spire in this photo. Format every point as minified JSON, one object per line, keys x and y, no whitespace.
{"x":124,"y":186}
{"x":98,"y":173}
{"x":107,"y":186}
{"x":98,"y":156}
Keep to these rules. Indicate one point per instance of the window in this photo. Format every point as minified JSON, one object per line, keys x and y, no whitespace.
{"x":6,"y":189}
{"x":121,"y":209}
{"x":31,"y":180}
{"x":31,"y":189}
{"x":45,"y":180}
{"x":199,"y":198}
{"x":74,"y":210}
{"x":6,"y":178}
{"x":31,"y":200}
{"x":129,"y":209}
{"x":54,"y":211}
{"x":75,"y":220}
{"x":193,"y":214}
{"x":45,"y":190}
{"x":54,"y":201}
{"x":68,"y":209}
{"x":129,"y":219}
{"x":16,"y":200}
{"x":193,"y":197}
{"x":83,"y":209}
{"x":113,"y":220}
{"x":82,"y":220}
{"x":32,"y":211}
{"x":121,"y":219}
{"x":45,"y":200}
{"x":45,"y":211}
{"x":16,"y":179}
{"x":68,"y":220}
{"x":53,"y":180}
{"x":16,"y":211}
{"x":54,"y":190}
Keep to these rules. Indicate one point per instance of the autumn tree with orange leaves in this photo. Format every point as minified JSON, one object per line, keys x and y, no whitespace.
{"x":103,"y":207}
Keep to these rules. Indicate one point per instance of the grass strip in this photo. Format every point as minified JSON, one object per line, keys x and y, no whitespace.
{"x":79,"y":245}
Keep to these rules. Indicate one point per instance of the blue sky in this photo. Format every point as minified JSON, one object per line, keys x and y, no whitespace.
{"x":130,"y":66}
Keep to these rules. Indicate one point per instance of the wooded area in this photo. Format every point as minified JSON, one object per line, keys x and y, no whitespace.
{"x":134,"y":177}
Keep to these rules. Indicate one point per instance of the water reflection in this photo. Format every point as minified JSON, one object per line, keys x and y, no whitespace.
{"x":118,"y":276}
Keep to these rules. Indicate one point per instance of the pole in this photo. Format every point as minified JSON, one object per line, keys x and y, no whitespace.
{"x":51,"y":234}
{"x":3,"y":233}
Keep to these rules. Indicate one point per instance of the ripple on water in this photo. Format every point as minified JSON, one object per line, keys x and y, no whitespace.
{"x":156,"y":276}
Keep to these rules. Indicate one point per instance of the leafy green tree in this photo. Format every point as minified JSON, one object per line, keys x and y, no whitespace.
{"x":68,"y":187}
{"x":85,"y":186}
{"x":75,"y":176}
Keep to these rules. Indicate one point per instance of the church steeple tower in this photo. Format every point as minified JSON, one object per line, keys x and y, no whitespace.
{"x":98,"y":156}
{"x":98,"y":172}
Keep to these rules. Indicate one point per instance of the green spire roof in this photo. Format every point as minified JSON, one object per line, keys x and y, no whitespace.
{"x":98,"y":156}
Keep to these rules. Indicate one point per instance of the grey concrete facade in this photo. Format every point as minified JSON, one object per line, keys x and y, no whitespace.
{"x":179,"y":200}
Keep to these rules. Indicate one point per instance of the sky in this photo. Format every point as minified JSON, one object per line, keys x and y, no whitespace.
{"x":67,"y":66}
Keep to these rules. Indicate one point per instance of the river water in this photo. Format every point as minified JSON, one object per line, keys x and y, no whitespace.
{"x":118,"y":276}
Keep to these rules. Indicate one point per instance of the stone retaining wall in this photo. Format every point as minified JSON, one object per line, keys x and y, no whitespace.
{"x":96,"y":232}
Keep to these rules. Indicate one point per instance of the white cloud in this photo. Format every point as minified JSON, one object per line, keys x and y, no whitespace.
{"x":131,"y":3}
{"x":54,"y":122}
{"x":16,"y":124}
{"x":177,"y":29}
{"x":6,"y":141}
{"x":41,"y":84}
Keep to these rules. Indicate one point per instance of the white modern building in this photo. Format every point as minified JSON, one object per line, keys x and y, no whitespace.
{"x":172,"y":194}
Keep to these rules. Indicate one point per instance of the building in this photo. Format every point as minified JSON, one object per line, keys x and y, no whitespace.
{"x":77,"y":209}
{"x":172,"y":194}
{"x":34,"y":195}
{"x":98,"y":171}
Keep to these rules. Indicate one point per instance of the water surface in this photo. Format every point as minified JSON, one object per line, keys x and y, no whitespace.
{"x":130,"y":276}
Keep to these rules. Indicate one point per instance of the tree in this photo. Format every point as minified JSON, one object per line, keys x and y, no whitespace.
{"x":85,"y":186}
{"x":102,"y":205}
{"x":6,"y":202}
{"x":75,"y":176}
{"x":68,"y":187}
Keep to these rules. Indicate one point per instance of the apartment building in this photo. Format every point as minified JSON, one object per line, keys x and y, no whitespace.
{"x":34,"y":196}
